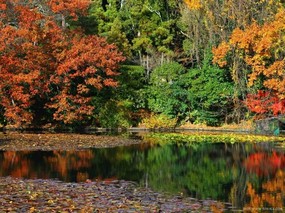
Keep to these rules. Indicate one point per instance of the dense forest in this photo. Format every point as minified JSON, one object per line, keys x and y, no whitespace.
{"x":123,"y":63}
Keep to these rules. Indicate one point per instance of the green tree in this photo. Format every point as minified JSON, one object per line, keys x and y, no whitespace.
{"x":165,"y":94}
{"x":122,"y":106}
{"x":144,"y":30}
{"x":209,"y":93}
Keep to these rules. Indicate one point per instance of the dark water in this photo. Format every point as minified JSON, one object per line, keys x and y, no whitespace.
{"x":235,"y":173}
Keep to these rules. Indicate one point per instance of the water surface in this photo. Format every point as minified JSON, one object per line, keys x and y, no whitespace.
{"x":235,"y":173}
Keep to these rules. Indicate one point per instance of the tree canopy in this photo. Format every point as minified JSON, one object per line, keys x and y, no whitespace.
{"x":113,"y":63}
{"x":260,"y":47}
{"x":45,"y":64}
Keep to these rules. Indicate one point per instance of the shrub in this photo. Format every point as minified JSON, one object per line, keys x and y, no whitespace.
{"x":115,"y":114}
{"x":160,"y":121}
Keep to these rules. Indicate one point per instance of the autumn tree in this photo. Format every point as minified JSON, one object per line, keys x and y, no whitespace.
{"x":260,"y":47}
{"x":44,"y":65}
{"x":207,"y":22}
{"x":68,"y":8}
{"x":264,"y":103}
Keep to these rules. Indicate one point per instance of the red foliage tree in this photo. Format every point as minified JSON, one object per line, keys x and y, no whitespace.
{"x":265,"y":103}
{"x":42,"y":62}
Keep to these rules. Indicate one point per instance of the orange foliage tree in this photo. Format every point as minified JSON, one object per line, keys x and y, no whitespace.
{"x":261,"y":48}
{"x":45,"y":64}
{"x":68,"y":8}
{"x":209,"y":22}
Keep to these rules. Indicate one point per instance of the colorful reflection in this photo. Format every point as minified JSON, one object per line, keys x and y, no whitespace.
{"x":264,"y":164}
{"x":271,"y":199}
{"x":54,"y":164}
{"x":246,"y":175}
{"x":64,"y":162}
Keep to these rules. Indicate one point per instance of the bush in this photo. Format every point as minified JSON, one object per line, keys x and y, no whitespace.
{"x":159,"y":122}
{"x":115,"y":114}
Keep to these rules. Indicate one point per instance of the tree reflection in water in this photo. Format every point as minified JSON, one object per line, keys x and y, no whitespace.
{"x":63,"y":162}
{"x":247,"y":175}
{"x":271,"y":198}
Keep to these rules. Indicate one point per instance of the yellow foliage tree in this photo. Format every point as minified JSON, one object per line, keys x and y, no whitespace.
{"x":193,"y":4}
{"x":210,"y":22}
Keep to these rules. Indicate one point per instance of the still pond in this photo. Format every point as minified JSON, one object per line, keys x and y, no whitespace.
{"x":242,"y":174}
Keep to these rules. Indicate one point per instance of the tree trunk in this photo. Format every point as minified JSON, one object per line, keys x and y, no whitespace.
{"x":63,"y":22}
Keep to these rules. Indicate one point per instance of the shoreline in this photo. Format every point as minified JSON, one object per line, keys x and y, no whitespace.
{"x":120,"y":130}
